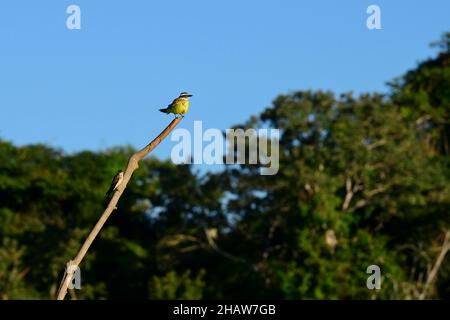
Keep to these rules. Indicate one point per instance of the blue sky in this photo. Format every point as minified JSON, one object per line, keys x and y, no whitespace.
{"x":101,"y":86}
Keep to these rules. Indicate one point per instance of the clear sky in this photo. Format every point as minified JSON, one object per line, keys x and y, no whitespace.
{"x":101,"y":86}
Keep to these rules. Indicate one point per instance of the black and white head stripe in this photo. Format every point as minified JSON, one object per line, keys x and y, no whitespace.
{"x":185,"y":95}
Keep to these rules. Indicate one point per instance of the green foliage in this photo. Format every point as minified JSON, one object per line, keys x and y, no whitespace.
{"x":12,"y":274}
{"x":423,"y":95}
{"x":362,"y":180}
{"x":174,"y":286}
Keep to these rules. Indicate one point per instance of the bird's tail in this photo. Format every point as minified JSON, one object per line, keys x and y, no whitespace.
{"x":108,"y":196}
{"x":109,"y":192}
{"x":165,"y":110}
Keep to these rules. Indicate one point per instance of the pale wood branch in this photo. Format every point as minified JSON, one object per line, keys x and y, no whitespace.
{"x":423,"y":119}
{"x":351,"y":189}
{"x":212,"y":242}
{"x":132,"y":166}
{"x":376,"y":144}
{"x":369,"y":195}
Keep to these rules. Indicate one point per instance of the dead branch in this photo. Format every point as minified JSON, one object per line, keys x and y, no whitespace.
{"x":132,"y":166}
{"x":211,"y":236}
{"x":376,"y":144}
{"x":369,"y":195}
{"x":350,"y":192}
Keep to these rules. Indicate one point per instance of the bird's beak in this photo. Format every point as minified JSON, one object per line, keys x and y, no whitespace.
{"x":190,"y":95}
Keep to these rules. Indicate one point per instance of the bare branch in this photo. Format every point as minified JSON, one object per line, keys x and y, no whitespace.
{"x":212,"y":243}
{"x":376,"y":144}
{"x":423,"y":119}
{"x":369,"y":195}
{"x":132,"y":166}
{"x":351,"y":189}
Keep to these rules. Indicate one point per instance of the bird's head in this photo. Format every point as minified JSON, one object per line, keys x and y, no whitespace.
{"x":185,"y":95}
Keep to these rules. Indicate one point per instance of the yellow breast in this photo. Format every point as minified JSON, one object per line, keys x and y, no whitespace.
{"x":181,"y":107}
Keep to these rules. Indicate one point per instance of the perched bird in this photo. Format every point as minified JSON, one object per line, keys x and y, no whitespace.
{"x":116,"y":181}
{"x":179,"y":106}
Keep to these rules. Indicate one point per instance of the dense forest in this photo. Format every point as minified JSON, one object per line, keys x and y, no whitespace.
{"x":362,"y":180}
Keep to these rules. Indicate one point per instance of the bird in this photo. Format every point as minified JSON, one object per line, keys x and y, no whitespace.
{"x":179,"y":106}
{"x":116,"y":181}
